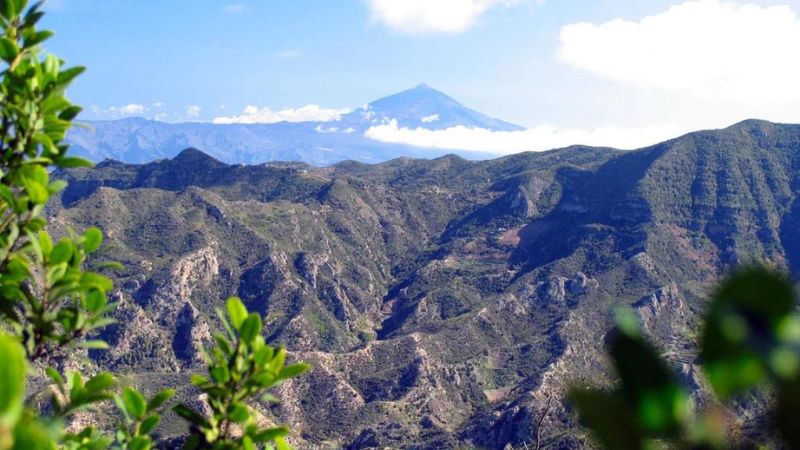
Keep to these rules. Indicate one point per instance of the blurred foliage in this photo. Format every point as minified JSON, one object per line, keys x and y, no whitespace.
{"x":750,"y":341}
{"x":241,"y":366}
{"x":140,"y":417}
{"x":51,"y":304}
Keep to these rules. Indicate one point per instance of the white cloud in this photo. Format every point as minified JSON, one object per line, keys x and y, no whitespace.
{"x":130,"y":109}
{"x":117,"y":112}
{"x":289,"y":54}
{"x":706,"y":48}
{"x":309,"y":113}
{"x":432,"y":16}
{"x":193,"y":111}
{"x":430,"y":119}
{"x":326,"y":130}
{"x":540,"y":138}
{"x":234,"y":8}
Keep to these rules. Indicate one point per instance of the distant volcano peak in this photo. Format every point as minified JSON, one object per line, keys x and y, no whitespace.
{"x":320,"y":143}
{"x":426,"y":107}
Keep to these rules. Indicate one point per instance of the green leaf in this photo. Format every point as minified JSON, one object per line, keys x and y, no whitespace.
{"x":787,"y":404}
{"x":96,"y":281}
{"x":271,"y":434}
{"x":118,"y":400}
{"x":197,"y":379}
{"x":239,"y":413}
{"x":35,"y":173}
{"x":280,"y":444}
{"x":223,"y":344}
{"x":188,"y":414}
{"x":61,"y":253}
{"x":293,"y":371}
{"x":37,"y":192}
{"x":51,"y":67}
{"x":148,"y":424}
{"x":140,"y":443}
{"x":159,"y":399}
{"x":96,"y":301}
{"x":192,"y":442}
{"x":251,"y":327}
{"x":7,"y":195}
{"x":135,"y":403}
{"x":247,"y":443}
{"x":70,"y":113}
{"x":102,"y":322}
{"x":220,"y":374}
{"x":609,"y":419}
{"x":45,"y":242}
{"x":37,"y":38}
{"x":93,"y":238}
{"x":95,"y":344}
{"x":71,"y":162}
{"x":278,"y":360}
{"x":12,"y":8}
{"x":46,"y":142}
{"x":269,"y":398}
{"x":225,"y":324}
{"x":32,"y":435}
{"x":236,"y":311}
{"x":13,"y":366}
{"x":263,"y":355}
{"x":56,"y":186}
{"x":68,"y":75}
{"x":33,"y":14}
{"x":746,"y":327}
{"x":8,"y":49}
{"x":56,"y":377}
{"x":113,"y":265}
{"x":100,"y":382}
{"x":649,"y":386}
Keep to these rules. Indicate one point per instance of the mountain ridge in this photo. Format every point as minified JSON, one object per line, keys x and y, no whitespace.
{"x":139,"y":140}
{"x":442,"y":303}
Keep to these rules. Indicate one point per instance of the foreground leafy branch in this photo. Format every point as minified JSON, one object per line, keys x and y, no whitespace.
{"x":750,"y":341}
{"x":51,"y":304}
{"x":241,"y":366}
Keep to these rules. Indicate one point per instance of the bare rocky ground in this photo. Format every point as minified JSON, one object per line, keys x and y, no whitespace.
{"x":442,"y":303}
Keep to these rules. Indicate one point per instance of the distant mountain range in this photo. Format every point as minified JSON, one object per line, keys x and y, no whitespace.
{"x":444,"y":303}
{"x":137,"y":140}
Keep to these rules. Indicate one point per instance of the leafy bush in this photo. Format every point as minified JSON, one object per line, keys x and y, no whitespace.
{"x":750,"y":341}
{"x":50,"y":303}
{"x":240,"y":367}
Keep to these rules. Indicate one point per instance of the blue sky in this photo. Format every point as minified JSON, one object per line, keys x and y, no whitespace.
{"x":525,"y":61}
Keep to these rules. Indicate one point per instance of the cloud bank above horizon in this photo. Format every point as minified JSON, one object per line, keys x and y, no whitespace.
{"x":536,"y":139}
{"x":308,"y":113}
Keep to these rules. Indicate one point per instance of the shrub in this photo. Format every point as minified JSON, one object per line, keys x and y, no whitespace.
{"x":750,"y":342}
{"x":51,"y":302}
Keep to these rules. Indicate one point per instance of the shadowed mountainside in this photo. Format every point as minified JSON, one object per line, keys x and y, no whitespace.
{"x":441,"y":302}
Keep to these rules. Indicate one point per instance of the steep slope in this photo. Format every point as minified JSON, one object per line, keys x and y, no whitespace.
{"x":441,"y":302}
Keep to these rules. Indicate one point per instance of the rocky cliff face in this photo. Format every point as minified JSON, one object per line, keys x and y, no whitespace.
{"x":441,"y":303}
